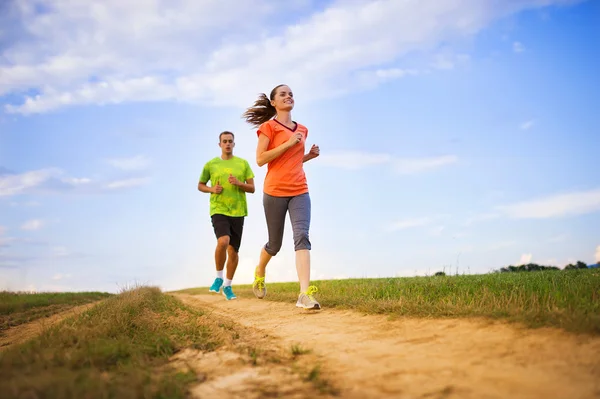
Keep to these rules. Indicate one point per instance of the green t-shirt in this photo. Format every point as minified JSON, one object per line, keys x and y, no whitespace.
{"x":232,"y":200}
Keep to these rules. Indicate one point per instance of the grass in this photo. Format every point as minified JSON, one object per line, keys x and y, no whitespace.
{"x":568,"y":299}
{"x":18,"y":308}
{"x":112,"y":350}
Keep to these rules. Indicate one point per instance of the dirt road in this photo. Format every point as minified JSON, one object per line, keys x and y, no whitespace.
{"x":23,"y":332}
{"x":373,"y":357}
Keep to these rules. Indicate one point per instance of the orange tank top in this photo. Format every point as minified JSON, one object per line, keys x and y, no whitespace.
{"x":285,"y":174}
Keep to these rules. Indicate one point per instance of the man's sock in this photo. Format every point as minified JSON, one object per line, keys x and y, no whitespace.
{"x":227,"y":282}
{"x":220,"y":274}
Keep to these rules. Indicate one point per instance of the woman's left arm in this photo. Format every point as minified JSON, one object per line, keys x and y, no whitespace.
{"x":312,"y":154}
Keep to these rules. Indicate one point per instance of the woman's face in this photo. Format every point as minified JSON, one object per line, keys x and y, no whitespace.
{"x":283,"y":99}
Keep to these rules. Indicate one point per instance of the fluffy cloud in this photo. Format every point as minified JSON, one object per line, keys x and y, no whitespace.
{"x":82,"y":52}
{"x":518,"y":47}
{"x":527,"y":125}
{"x":525,"y":259}
{"x":354,"y":160}
{"x":408,"y":223}
{"x":34,"y":224}
{"x":12,"y":184}
{"x":138,"y":162}
{"x":127,"y":183}
{"x":53,"y":180}
{"x":577,"y":203}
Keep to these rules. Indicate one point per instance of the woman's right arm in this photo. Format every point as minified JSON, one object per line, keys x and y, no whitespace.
{"x":263,"y":156}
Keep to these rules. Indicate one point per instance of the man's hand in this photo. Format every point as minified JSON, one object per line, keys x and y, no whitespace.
{"x":218,"y":189}
{"x":233,"y":180}
{"x":314,"y":151}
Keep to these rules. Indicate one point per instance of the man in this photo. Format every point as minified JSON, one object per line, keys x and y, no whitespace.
{"x":231,"y":178}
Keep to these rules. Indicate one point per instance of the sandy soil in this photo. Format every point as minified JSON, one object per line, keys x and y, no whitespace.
{"x":367,"y":356}
{"x":23,"y":332}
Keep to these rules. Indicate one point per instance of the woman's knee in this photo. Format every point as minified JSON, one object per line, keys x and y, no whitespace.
{"x":301,"y":240}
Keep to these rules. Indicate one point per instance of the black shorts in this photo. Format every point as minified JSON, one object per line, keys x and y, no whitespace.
{"x":229,"y":226}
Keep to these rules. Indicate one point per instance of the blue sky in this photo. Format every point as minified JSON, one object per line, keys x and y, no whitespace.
{"x":454,"y":135}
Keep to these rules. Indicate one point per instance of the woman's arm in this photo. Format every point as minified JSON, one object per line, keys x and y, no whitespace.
{"x":263,"y":156}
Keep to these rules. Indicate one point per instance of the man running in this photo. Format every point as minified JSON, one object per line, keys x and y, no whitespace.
{"x":231,"y":178}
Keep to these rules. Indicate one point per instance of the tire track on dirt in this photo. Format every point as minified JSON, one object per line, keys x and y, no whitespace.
{"x":23,"y":332}
{"x":371,"y":356}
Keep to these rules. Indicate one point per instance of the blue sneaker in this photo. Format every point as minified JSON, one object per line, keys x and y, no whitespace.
{"x":228,"y":292}
{"x":216,"y":286}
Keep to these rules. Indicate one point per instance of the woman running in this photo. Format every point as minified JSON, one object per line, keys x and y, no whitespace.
{"x":281,"y":145}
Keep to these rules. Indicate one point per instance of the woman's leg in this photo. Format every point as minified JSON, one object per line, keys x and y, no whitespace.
{"x":300,"y":210}
{"x":275,"y":210}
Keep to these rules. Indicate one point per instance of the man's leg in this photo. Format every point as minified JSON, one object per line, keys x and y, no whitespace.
{"x":236,"y":225}
{"x":221,"y":228}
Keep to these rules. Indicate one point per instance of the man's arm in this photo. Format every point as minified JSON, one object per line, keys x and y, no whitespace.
{"x":246,"y":187}
{"x":211,"y":190}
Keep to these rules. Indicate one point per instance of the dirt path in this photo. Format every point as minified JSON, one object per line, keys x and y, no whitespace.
{"x":372,"y":357}
{"x":23,"y":332}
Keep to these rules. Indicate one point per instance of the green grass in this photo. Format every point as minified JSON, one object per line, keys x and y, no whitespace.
{"x":567,"y":299}
{"x":112,"y":350}
{"x":18,"y":308}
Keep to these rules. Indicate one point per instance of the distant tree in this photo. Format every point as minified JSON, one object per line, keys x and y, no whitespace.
{"x":581,"y":265}
{"x":440,"y":274}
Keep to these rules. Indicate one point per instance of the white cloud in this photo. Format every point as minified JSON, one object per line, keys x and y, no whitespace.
{"x":138,"y":162}
{"x":18,"y":183}
{"x":518,"y":47}
{"x":481,"y":218}
{"x":113,"y":51}
{"x":34,"y":224}
{"x":127,"y":183}
{"x":77,"y":181}
{"x":501,"y":245}
{"x":577,"y":203}
{"x":525,"y":259}
{"x":558,"y":238}
{"x":355,"y":160}
{"x":437,"y":231}
{"x":597,"y":254}
{"x":60,"y":276}
{"x":527,"y":125}
{"x":408,"y":166}
{"x":27,"y":204}
{"x":408,"y":223}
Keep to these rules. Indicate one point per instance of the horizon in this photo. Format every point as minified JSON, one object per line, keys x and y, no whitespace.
{"x":462,"y":134}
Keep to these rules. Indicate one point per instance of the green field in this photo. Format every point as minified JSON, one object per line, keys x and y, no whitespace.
{"x":120,"y":348}
{"x":109,"y":352}
{"x":18,"y":307}
{"x":568,"y":299}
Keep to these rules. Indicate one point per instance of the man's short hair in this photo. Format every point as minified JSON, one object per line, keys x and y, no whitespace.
{"x":226,"y":132}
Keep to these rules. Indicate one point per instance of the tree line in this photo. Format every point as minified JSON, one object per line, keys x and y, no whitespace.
{"x":534,"y":267}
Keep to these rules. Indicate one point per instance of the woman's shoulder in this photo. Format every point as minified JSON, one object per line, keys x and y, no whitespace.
{"x":301,"y":126}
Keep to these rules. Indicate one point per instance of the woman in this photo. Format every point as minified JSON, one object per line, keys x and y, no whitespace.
{"x":281,"y":145}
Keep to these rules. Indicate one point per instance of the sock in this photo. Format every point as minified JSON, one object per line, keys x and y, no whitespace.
{"x":220,"y":274}
{"x":227,"y":282}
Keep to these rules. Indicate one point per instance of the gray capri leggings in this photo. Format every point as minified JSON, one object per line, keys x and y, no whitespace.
{"x":275,"y":211}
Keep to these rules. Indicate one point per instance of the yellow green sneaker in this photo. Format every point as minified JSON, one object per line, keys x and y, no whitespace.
{"x":258,"y":287}
{"x":306,"y":300}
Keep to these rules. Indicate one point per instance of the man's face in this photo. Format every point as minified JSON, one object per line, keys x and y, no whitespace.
{"x":227,"y":143}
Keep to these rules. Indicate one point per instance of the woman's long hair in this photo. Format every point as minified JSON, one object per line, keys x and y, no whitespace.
{"x":262,"y":110}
